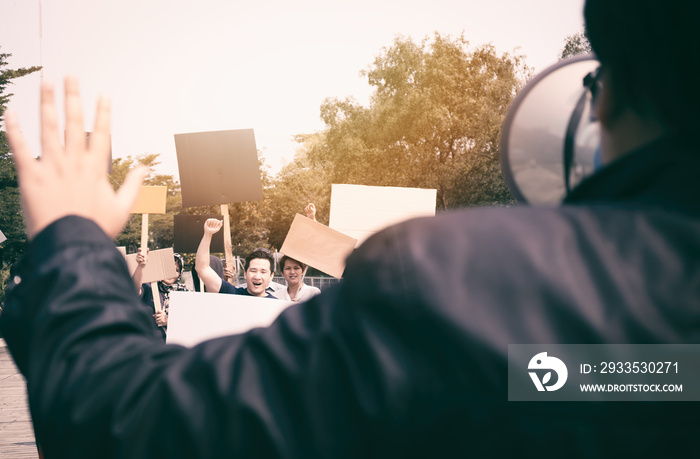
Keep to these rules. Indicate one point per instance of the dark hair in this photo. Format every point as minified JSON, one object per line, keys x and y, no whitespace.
{"x":286,"y":258}
{"x":648,"y":47}
{"x":260,"y":253}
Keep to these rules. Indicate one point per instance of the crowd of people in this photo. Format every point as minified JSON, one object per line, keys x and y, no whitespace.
{"x":258,"y":269}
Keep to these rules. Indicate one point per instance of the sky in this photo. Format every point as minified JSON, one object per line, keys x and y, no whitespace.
{"x":175,"y":66}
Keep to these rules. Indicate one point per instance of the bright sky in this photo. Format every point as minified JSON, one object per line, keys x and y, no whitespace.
{"x":175,"y":66}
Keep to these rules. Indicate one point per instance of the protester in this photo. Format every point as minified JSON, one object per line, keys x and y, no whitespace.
{"x":294,"y":271}
{"x":258,"y":267}
{"x":407,"y":357}
{"x":296,"y":290}
{"x":164,"y":288}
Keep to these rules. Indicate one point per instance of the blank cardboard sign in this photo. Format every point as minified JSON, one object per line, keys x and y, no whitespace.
{"x":189,"y":230}
{"x":160,"y":265}
{"x":218,"y":167}
{"x":318,"y":246}
{"x":151,"y":200}
{"x":360,"y":211}
{"x":194,"y":317}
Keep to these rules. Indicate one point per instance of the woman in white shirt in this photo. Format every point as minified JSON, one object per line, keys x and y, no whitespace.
{"x":293,"y":272}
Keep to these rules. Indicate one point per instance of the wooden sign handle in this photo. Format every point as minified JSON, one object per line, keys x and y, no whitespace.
{"x":228,"y":246}
{"x":156,"y":296}
{"x":144,"y":233}
{"x":144,"y":249}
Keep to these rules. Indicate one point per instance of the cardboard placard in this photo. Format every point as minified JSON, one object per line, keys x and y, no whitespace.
{"x":360,"y":211}
{"x":161,"y":265}
{"x":318,"y":245}
{"x":2,"y":238}
{"x":218,"y":167}
{"x":189,"y":230}
{"x":151,"y":200}
{"x":194,"y":317}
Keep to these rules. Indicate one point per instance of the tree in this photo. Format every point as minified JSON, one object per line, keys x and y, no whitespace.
{"x":575,"y":44}
{"x":11,"y":222}
{"x":6,"y":77}
{"x":433,"y":121}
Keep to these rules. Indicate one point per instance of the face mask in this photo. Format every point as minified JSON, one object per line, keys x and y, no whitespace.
{"x":550,"y":137}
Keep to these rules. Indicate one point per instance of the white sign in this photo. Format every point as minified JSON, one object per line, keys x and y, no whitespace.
{"x":360,"y":211}
{"x":2,"y":237}
{"x":194,"y":317}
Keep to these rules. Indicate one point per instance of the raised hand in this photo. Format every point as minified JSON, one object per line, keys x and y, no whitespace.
{"x":142,"y":258}
{"x":212,"y":225}
{"x":70,"y":180}
{"x":311,"y":211}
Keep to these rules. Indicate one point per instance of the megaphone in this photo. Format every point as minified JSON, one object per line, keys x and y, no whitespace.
{"x":550,"y":136}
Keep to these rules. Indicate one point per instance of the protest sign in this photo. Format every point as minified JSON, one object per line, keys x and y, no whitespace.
{"x":318,"y":245}
{"x":151,"y":200}
{"x":218,"y":167}
{"x":188,"y":233}
{"x":160,"y":265}
{"x":360,"y":211}
{"x":195,"y":317}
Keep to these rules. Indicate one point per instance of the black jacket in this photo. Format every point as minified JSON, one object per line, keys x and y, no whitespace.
{"x":406,"y":357}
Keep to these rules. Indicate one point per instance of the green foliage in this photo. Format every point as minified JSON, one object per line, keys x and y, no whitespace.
{"x":6,"y":77}
{"x":11,"y":222}
{"x":575,"y":44}
{"x":433,"y":122}
{"x":4,"y":278}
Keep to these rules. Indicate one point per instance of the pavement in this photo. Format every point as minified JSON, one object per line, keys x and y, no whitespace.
{"x":16,"y":430}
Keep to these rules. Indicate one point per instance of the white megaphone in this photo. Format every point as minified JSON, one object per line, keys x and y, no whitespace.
{"x":550,"y":137}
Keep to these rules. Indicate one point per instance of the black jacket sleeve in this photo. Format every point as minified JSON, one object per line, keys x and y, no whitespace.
{"x":323,"y":380}
{"x":407,"y":357}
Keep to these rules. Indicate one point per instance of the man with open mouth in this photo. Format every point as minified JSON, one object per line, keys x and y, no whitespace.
{"x":258,"y":267}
